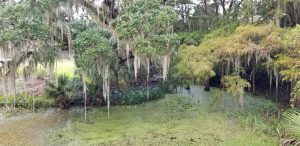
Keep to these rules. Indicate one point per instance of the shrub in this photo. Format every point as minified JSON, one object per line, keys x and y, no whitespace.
{"x":263,"y":117}
{"x":136,"y":96}
{"x":26,"y":101}
{"x":2,"y":101}
{"x":59,"y":91}
{"x":156,"y":93}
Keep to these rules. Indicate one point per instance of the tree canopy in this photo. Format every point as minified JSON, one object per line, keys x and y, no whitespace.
{"x":218,"y":38}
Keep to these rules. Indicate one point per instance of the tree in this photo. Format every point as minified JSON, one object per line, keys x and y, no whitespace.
{"x":287,"y":13}
{"x":229,"y":50}
{"x":194,"y":65}
{"x":148,"y":25}
{"x":235,"y":85}
{"x":184,"y":10}
{"x":289,"y":61}
{"x":22,"y":33}
{"x":93,"y":54}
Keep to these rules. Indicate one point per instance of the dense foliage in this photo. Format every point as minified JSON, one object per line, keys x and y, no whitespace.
{"x":136,"y":96}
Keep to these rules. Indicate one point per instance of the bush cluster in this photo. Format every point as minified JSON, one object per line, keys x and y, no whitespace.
{"x":136,"y":96}
{"x":28,"y":101}
{"x":131,"y":97}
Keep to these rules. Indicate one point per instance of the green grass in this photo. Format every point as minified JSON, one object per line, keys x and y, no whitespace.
{"x":66,"y":67}
{"x":174,"y":120}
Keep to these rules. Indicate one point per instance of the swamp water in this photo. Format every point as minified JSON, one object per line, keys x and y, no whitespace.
{"x":178,"y":119}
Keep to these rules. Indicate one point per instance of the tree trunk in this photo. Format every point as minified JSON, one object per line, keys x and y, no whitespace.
{"x":108,"y":105}
{"x":206,"y":13}
{"x":223,"y":6}
{"x":253,"y":80}
{"x":217,"y":8}
{"x":276,"y":93}
{"x":148,"y":72}
{"x":84,"y":93}
{"x":207,"y":87}
{"x":33,"y":105}
{"x":5,"y":90}
{"x":294,"y":101}
{"x":117,"y":80}
{"x":13,"y":82}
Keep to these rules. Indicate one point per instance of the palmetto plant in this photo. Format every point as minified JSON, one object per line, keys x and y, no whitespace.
{"x":59,"y":91}
{"x":292,"y":125}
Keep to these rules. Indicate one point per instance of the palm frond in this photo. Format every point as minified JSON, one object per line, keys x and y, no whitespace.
{"x":292,"y":124}
{"x":61,"y":87}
